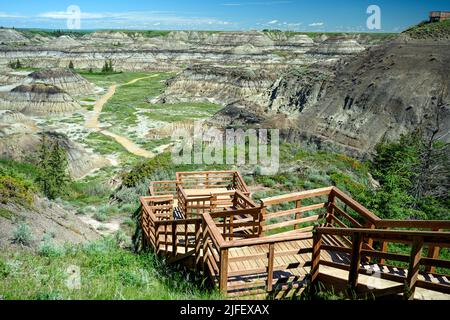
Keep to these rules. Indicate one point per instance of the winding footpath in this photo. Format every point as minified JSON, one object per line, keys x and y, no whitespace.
{"x":92,"y":122}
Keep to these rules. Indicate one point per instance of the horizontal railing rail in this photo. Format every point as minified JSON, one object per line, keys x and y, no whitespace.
{"x":231,"y":180}
{"x":163,"y":188}
{"x":416,"y":239}
{"x":210,"y":215}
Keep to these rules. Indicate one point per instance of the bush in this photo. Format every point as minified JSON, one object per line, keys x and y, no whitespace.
{"x":135,"y":278}
{"x":100,"y":216}
{"x":5,"y":269}
{"x":50,"y":250}
{"x":22,"y":235}
{"x":15,"y":190}
{"x":157,"y":168}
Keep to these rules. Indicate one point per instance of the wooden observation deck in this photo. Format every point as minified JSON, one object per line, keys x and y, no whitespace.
{"x":208,"y":221}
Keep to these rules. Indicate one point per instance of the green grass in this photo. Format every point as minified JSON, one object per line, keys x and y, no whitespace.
{"x":181,"y":111}
{"x":121,"y":108}
{"x":107,"y":272}
{"x":108,"y":79}
{"x":434,"y":30}
{"x":7,"y":214}
{"x":103,"y":144}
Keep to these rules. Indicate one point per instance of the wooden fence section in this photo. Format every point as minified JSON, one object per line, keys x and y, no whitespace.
{"x":287,"y":241}
{"x":230,"y":180}
{"x":410,"y":280}
{"x":164,"y":234}
{"x":158,"y":188}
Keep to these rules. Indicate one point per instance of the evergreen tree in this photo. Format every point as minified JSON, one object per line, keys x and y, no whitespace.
{"x":53,"y":175}
{"x":71,"y":67}
{"x":105,"y":67}
{"x":108,"y":67}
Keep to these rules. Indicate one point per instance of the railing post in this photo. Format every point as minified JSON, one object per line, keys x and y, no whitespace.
{"x":174,"y":239}
{"x":262,"y":222}
{"x":230,"y":228}
{"x":433,"y":253}
{"x":369,"y":242}
{"x":315,"y":257}
{"x":157,"y":235}
{"x":198,"y":243}
{"x":298,"y":215}
{"x":330,"y":208}
{"x":270,"y":262}
{"x":213,"y":202}
{"x":384,"y":248}
{"x":355,"y":260}
{"x":413,"y":268}
{"x":205,"y":245}
{"x":144,"y":229}
{"x":223,"y":277}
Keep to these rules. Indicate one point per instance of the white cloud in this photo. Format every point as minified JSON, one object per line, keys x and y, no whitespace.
{"x":316,"y":24}
{"x":10,"y":15}
{"x":143,"y":17}
{"x":272,"y":22}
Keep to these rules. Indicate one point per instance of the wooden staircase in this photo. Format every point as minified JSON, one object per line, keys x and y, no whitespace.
{"x":250,"y":250}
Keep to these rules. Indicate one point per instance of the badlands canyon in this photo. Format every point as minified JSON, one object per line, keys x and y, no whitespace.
{"x":333,"y":91}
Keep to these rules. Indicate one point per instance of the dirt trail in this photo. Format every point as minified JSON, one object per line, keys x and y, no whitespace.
{"x":92,"y":122}
{"x":129,"y":145}
{"x":138,"y":79}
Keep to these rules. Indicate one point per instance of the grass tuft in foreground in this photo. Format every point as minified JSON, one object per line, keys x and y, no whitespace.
{"x":106,"y":270}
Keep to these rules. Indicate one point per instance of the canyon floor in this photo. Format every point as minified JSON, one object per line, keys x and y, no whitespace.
{"x":334,"y":97}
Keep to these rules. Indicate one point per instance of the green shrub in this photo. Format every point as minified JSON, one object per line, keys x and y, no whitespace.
{"x":49,"y":249}
{"x":101,"y":216}
{"x":22,"y":235}
{"x":7,"y":214}
{"x":15,"y":190}
{"x":136,"y":278}
{"x":49,"y":295}
{"x":5,"y":269}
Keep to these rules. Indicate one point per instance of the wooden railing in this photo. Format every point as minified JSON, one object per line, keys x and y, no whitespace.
{"x":416,"y":239}
{"x":158,"y":188}
{"x":217,"y":249}
{"x":294,"y":217}
{"x":231,"y":180}
{"x":166,"y":235}
{"x":195,"y":205}
{"x":215,"y":226}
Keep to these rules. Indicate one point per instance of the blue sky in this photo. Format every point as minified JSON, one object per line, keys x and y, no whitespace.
{"x":295,"y":15}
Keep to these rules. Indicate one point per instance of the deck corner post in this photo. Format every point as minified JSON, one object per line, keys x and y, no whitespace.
{"x":223,"y":275}
{"x":357,"y":240}
{"x":413,"y":268}
{"x":262,"y":221}
{"x":270,"y":262}
{"x":315,"y":258}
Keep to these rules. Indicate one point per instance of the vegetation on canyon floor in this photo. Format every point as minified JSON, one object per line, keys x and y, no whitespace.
{"x":110,"y":270}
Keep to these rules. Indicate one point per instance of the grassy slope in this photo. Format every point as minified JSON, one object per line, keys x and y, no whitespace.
{"x":435,"y":30}
{"x":107,"y":272}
